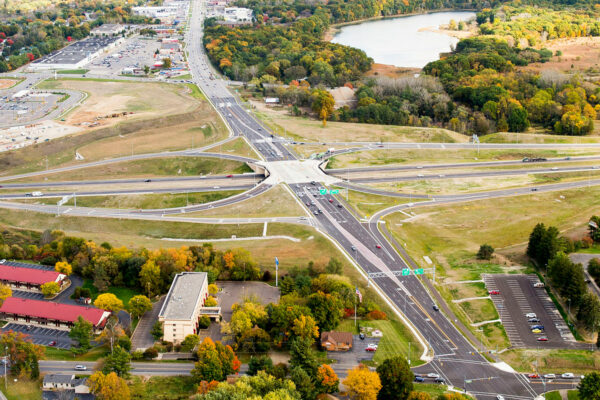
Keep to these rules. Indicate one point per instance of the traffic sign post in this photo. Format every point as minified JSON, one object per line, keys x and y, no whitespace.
{"x":323,"y":191}
{"x":405,"y":272}
{"x":418,"y":271}
{"x":334,"y":191}
{"x":276,"y":270}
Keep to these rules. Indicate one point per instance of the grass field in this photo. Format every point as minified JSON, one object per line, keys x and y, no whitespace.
{"x":155,"y":167}
{"x":553,"y":361}
{"x":367,"y":204}
{"x":73,"y":71}
{"x":238,"y":147}
{"x":479,"y":184}
{"x":511,"y":137}
{"x":303,"y":128}
{"x":433,"y":156}
{"x":23,"y":389}
{"x":52,"y":353}
{"x":122,"y":293}
{"x":145,"y":201}
{"x":275,"y":202}
{"x":162,"y":387}
{"x":554,"y":395}
{"x":166,"y":118}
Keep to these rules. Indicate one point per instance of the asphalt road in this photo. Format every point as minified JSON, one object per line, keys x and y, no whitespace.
{"x":137,"y":368}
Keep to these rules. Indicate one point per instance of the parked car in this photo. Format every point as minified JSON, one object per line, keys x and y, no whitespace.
{"x":362,"y":336}
{"x":536,"y":331}
{"x":549,"y":376}
{"x":419,"y":378}
{"x":3,"y":261}
{"x":538,"y":327}
{"x":371,"y":347}
{"x":533,"y":320}
{"x":531,"y":315}
{"x":494,"y":292}
{"x":567,"y":375}
{"x":52,"y":343}
{"x":440,"y":380}
{"x":538,"y":284}
{"x":433,"y":375}
{"x":542,"y":339}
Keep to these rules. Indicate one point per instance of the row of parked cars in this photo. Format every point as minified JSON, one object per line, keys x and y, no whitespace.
{"x":537,"y":327}
{"x":432,"y":375}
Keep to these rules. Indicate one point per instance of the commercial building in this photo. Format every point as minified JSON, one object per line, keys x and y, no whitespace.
{"x":107,"y":30}
{"x":77,"y":54}
{"x":50,"y":314}
{"x":184,"y":306}
{"x":156,"y":12}
{"x":29,"y":279}
{"x":238,"y":14}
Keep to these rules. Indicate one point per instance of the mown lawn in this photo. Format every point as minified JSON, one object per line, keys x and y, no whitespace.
{"x":122,"y":293}
{"x":94,"y":354}
{"x":162,"y":387}
{"x":23,"y":389}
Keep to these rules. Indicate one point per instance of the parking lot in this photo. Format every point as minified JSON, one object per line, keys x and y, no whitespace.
{"x":519,"y":297}
{"x":134,"y":52}
{"x":42,"y":336}
{"x":27,"y":265}
{"x":346,"y":360}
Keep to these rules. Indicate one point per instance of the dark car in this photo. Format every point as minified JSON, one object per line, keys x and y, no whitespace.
{"x":436,"y":308}
{"x":440,"y":380}
{"x":538,"y":327}
{"x":340,"y":206}
{"x":533,"y":320}
{"x":148,"y":180}
{"x":362,"y":336}
{"x":419,"y":378}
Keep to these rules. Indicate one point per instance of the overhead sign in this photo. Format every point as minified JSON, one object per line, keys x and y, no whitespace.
{"x":419,"y":271}
{"x":325,"y":191}
{"x":405,"y":272}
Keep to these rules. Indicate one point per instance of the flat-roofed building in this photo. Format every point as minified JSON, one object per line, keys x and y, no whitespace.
{"x":107,"y":30}
{"x":183,"y":306}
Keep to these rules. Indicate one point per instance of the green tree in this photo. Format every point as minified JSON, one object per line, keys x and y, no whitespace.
{"x":254,"y":340}
{"x":334,"y":266}
{"x":118,"y":362}
{"x":589,"y":387}
{"x":396,"y":379}
{"x":82,"y":332}
{"x":23,"y":355}
{"x":304,"y":383}
{"x":594,"y":268}
{"x":150,"y":278}
{"x":189,"y":342}
{"x":138,"y":305}
{"x":594,"y":228}
{"x":157,"y":330}
{"x":259,"y":363}
{"x":485,"y":252}
{"x":327,"y":309}
{"x":302,"y":355}
{"x":589,"y":312}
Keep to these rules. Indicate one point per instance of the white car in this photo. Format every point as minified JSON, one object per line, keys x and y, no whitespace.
{"x":531,"y":315}
{"x":499,"y":397}
{"x":567,"y":375}
{"x":433,"y":375}
{"x":549,"y":376}
{"x":80,"y":368}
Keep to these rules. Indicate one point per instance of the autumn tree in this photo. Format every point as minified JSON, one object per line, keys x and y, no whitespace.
{"x":50,"y":289}
{"x":108,"y":301}
{"x":305,"y":327}
{"x":108,"y":387}
{"x":322,"y":104}
{"x":416,"y":395}
{"x":82,"y":332}
{"x":362,"y":384}
{"x":189,"y":342}
{"x":150,"y":278}
{"x":23,"y":355}
{"x":138,"y":305}
{"x":5,"y":292}
{"x":327,"y":381}
{"x":396,"y":379}
{"x":63,"y":267}
{"x":215,"y":361}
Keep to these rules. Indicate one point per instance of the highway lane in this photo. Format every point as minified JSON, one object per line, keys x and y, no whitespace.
{"x":135,"y":157}
{"x":362,"y":146}
{"x":233,"y":177}
{"x":342,"y":171}
{"x":479,"y":174}
{"x":114,"y":192}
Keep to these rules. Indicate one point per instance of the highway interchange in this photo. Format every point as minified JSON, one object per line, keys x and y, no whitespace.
{"x":448,"y":352}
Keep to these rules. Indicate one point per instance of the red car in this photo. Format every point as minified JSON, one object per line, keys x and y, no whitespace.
{"x":542,"y":339}
{"x":331,"y":200}
{"x":378,"y":246}
{"x":52,"y":343}
{"x":230,"y":176}
{"x":494,"y":292}
{"x":533,"y":376}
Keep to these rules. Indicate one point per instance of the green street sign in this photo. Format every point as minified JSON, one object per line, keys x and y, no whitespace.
{"x":468,"y":381}
{"x":323,"y":191}
{"x":419,"y":271}
{"x":334,"y":191}
{"x":405,"y":272}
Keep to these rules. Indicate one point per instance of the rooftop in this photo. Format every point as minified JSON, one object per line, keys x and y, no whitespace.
{"x":183,"y":296}
{"x":53,"y":311}
{"x":28,"y":275}
{"x":77,"y":51}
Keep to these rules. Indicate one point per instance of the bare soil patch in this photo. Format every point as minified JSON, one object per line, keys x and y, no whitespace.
{"x":7,"y":83}
{"x":577,"y":54}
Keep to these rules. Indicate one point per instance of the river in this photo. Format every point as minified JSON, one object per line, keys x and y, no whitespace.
{"x":402,"y":41}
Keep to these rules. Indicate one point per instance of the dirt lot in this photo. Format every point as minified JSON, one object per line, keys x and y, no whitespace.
{"x":7,"y":83}
{"x":582,"y":53}
{"x":107,"y":98}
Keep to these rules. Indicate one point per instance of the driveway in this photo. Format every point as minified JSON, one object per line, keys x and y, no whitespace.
{"x":141,"y":338}
{"x":584,"y":259}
